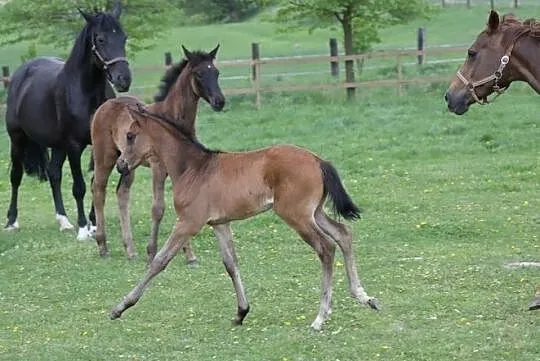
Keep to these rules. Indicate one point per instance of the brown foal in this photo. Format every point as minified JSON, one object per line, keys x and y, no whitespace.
{"x":182,"y":86}
{"x":215,"y":188}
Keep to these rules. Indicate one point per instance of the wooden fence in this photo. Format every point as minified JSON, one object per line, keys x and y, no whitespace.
{"x":470,"y":3}
{"x":256,"y":64}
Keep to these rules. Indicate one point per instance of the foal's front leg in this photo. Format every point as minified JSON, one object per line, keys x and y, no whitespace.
{"x":178,"y":238}
{"x":224,"y":235}
{"x":159,"y":176}
{"x":122,"y":196}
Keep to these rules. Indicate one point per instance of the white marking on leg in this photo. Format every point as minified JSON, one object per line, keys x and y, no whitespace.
{"x":64,"y":223}
{"x":12,"y":227}
{"x":84,"y":233}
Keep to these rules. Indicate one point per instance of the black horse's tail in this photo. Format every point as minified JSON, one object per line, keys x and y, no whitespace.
{"x":343,"y":205}
{"x":91,"y":162}
{"x":35,"y":160}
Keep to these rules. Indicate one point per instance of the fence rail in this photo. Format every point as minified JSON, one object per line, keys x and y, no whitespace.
{"x":256,"y":65}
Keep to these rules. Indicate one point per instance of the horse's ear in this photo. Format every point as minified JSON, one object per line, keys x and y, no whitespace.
{"x":213,"y":53}
{"x":493,"y":21}
{"x":88,"y":17}
{"x":187,"y":53}
{"x":117,"y":10}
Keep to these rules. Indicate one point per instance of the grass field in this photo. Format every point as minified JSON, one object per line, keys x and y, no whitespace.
{"x":448,"y":201}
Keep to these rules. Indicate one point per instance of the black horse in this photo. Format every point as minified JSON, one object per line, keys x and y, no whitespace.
{"x":50,"y":104}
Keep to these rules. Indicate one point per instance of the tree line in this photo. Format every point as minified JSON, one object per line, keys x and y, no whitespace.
{"x":55,"y":22}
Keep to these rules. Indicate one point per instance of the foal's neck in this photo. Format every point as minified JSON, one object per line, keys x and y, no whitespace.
{"x":178,"y":152}
{"x":527,"y":53}
{"x":181,"y":103}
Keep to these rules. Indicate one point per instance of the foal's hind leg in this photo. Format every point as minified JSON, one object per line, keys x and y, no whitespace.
{"x":224,"y":235}
{"x":122,"y":195}
{"x":343,"y":237}
{"x":54,"y":173}
{"x":18,"y":141}
{"x":310,"y":232}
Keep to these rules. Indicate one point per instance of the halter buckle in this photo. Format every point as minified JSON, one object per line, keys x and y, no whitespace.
{"x":505,"y":59}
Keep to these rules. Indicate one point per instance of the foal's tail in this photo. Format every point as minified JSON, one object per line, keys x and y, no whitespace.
{"x":343,"y":205}
{"x":35,"y":160}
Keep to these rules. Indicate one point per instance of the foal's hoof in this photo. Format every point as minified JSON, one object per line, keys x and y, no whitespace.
{"x":13,"y":227}
{"x":115,"y":314}
{"x":535,"y":304}
{"x":104,"y":254}
{"x":375,"y":304}
{"x":193,"y":263}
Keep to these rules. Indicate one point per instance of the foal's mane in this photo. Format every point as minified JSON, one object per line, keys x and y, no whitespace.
{"x":180,"y":129}
{"x":514,"y":28}
{"x":81,"y":47}
{"x":172,"y":74}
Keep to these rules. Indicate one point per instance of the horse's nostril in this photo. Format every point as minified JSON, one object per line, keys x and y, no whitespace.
{"x":446,"y":97}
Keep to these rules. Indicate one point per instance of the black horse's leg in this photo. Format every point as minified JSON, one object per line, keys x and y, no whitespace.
{"x":17,"y":154}
{"x":54,"y":173}
{"x":79,"y":189}
{"x":92,"y":214}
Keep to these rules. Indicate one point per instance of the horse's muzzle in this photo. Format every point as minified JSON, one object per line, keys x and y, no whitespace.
{"x":122,"y":167}
{"x":457,"y":102}
{"x":120,"y":76}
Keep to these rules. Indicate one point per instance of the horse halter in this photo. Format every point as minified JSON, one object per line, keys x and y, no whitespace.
{"x":496,"y":76}
{"x":106,"y":63}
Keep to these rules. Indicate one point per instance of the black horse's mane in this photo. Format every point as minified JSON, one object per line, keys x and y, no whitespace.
{"x":172,"y":74}
{"x":81,"y":46}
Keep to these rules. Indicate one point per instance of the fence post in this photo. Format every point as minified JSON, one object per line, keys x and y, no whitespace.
{"x":334,"y":65}
{"x":443,"y":3}
{"x":468,"y":4}
{"x":516,"y":3}
{"x":5,"y":76}
{"x":168,"y":59}
{"x":399,"y":74}
{"x":256,"y":72}
{"x":492,"y":2}
{"x":420,"y":45}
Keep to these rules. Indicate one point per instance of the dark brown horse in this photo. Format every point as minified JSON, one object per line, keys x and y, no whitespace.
{"x":182,"y":86}
{"x":215,"y":188}
{"x":504,"y":52}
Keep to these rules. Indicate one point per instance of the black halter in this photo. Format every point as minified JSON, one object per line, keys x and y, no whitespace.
{"x":106,"y":63}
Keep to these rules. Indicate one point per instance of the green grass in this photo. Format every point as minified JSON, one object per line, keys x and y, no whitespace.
{"x":448,"y":200}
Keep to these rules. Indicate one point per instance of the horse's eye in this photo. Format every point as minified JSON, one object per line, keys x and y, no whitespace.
{"x":472,"y":53}
{"x":130,"y":137}
{"x":100,"y":39}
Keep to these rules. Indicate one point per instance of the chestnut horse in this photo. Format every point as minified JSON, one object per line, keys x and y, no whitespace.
{"x":215,"y":188}
{"x":504,"y":52}
{"x":182,"y":86}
